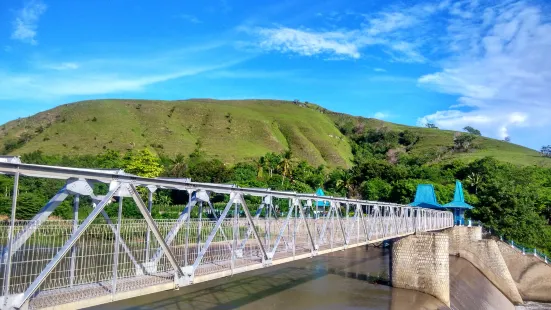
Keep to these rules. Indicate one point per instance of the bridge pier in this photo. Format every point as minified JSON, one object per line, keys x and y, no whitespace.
{"x":421,"y":262}
{"x":485,"y":255}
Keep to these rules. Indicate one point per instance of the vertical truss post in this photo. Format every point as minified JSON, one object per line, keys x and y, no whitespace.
{"x":64,"y":250}
{"x":313,"y":245}
{"x":362,"y":220}
{"x":148,"y":232}
{"x":74,"y":248}
{"x":326,"y":220}
{"x":358,"y":218}
{"x":294,"y":227}
{"x":344,"y":235}
{"x":234,"y":230}
{"x":200,"y":225}
{"x":7,"y":268}
{"x":116,"y":252}
{"x":186,"y":246}
{"x":151,"y":223}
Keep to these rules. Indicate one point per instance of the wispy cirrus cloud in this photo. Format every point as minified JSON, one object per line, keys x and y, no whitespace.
{"x":48,"y":80}
{"x":307,"y":43}
{"x":389,"y":29}
{"x":25,"y":24}
{"x":62,"y":66}
{"x":500,"y":71}
{"x":190,"y":18}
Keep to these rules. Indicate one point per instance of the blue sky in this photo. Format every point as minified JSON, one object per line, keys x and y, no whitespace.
{"x":486,"y":64}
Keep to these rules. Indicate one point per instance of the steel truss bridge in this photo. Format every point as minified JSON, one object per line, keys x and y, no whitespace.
{"x":49,"y":263}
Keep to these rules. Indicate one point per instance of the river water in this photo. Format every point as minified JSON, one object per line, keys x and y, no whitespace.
{"x":353,"y":279}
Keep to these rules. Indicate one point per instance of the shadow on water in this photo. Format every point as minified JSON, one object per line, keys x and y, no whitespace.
{"x":352,"y":279}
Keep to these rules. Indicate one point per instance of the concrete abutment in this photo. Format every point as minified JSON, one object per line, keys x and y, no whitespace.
{"x":421,"y":262}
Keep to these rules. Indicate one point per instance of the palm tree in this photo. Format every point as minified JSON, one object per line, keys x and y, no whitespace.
{"x":179,"y":167}
{"x":346,"y":183}
{"x":285,"y":165}
{"x":474,"y":180}
{"x":260,"y":166}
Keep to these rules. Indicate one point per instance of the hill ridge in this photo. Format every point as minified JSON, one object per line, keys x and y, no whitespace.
{"x":230,"y":130}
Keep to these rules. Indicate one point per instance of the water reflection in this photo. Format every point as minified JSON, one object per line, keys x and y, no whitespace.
{"x":353,"y":279}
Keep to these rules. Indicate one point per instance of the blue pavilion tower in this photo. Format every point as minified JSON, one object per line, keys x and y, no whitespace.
{"x":425,"y":197}
{"x":458,"y":205}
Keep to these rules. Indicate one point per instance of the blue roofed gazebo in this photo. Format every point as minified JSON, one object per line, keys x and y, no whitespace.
{"x":425,"y":197}
{"x":321,"y":203}
{"x":458,"y":204}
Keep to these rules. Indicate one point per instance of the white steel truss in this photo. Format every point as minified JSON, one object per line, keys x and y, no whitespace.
{"x":49,"y":262}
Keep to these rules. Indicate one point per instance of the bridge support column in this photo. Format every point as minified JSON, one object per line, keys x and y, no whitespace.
{"x":485,"y":255}
{"x":421,"y":262}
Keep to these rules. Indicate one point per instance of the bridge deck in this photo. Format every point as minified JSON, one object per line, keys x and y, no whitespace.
{"x":72,"y":264}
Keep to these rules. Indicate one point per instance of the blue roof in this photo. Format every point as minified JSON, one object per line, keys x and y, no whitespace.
{"x":458,"y":198}
{"x":321,"y":203}
{"x":425,"y":197}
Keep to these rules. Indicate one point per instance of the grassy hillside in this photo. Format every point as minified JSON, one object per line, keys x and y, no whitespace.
{"x":231,"y":130}
{"x":433,"y":140}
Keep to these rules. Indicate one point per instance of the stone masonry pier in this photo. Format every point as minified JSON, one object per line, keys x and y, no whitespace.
{"x":421,"y":262}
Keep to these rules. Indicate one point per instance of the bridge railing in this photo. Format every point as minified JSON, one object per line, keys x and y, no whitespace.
{"x":46,"y":262}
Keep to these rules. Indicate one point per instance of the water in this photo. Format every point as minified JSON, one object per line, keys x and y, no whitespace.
{"x":357,"y":278}
{"x":353,"y":279}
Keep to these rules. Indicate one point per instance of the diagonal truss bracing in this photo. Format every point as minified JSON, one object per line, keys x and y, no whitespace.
{"x":84,"y":256}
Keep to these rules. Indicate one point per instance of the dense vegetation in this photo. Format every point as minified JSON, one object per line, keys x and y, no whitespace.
{"x":511,"y":191}
{"x":514,"y":201}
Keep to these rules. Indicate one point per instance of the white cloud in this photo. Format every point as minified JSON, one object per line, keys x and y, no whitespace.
{"x":379,"y":70}
{"x":190,"y":18}
{"x":62,"y":66}
{"x":26,"y":21}
{"x":380,"y":115}
{"x":308,"y":43}
{"x":501,"y":69}
{"x":390,"y":30}
{"x":48,"y":80}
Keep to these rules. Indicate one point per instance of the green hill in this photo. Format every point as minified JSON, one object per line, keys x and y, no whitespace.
{"x":230,"y":130}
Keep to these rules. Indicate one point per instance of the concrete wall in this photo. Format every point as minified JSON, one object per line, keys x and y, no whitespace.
{"x":421,"y":262}
{"x":531,"y":275}
{"x":485,"y":255}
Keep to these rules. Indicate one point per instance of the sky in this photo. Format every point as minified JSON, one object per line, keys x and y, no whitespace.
{"x":454,"y":63}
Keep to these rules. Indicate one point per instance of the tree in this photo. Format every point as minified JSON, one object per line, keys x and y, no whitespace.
{"x":376,"y":189}
{"x":271,"y":160}
{"x":179,"y":166}
{"x":260,"y":164}
{"x":408,"y":138}
{"x":507,"y":139}
{"x":431,"y":125}
{"x":463,"y":142}
{"x":285,"y":165}
{"x":143,"y":163}
{"x":110,"y":159}
{"x":546,"y":151}
{"x":473,"y":131}
{"x":474,"y":180}
{"x":345,"y":184}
